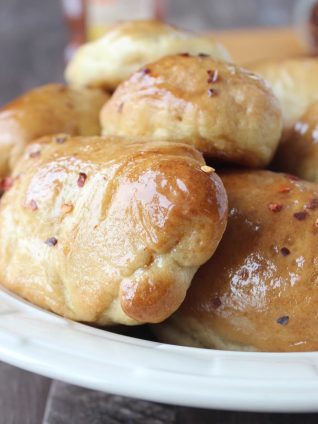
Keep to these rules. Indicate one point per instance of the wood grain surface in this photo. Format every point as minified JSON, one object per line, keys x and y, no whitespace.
{"x":22,"y":396}
{"x":76,"y":405}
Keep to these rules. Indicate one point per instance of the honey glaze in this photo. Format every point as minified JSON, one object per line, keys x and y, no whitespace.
{"x":261,"y":284}
{"x":103,"y":230}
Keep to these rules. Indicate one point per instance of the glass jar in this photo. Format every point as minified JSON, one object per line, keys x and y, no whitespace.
{"x":88,"y":19}
{"x":306,"y":21}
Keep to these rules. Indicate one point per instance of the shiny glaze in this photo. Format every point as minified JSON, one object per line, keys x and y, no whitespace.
{"x":249,"y":284}
{"x":239,"y":121}
{"x":46,"y":110}
{"x":298,"y":152}
{"x":143,"y":218}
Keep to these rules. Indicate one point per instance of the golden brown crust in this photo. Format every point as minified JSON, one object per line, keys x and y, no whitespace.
{"x":224,"y":111}
{"x":50,"y":109}
{"x":127,"y":46}
{"x":259,"y":290}
{"x":294,"y":82}
{"x":103,"y":232}
{"x":298,"y":151}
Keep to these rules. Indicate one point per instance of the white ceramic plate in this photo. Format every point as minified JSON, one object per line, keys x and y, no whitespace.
{"x":58,"y":348}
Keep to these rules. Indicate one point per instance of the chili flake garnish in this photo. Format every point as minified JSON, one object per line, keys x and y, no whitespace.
{"x":145,"y":71}
{"x":81,"y":179}
{"x":313,"y":204}
{"x":301,"y":215}
{"x":184,"y":54}
{"x":52,"y":241}
{"x":33,"y":205}
{"x":216,"y":303}
{"x":213,"y":76}
{"x":284,"y":190}
{"x":6,"y":183}
{"x":34,"y":154}
{"x":207,"y":169}
{"x":292,"y":177}
{"x":284,"y":251}
{"x":212,"y":92}
{"x":283,"y":320}
{"x":60,"y":139}
{"x":275,"y":207}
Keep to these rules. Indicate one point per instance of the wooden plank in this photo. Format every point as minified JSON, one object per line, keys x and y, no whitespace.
{"x":196,"y":416}
{"x":70,"y":404}
{"x":22,"y":396}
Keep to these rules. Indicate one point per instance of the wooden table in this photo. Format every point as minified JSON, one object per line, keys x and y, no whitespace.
{"x":26,"y":398}
{"x":31,"y":42}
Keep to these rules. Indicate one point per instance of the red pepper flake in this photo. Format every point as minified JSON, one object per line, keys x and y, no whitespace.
{"x":145,"y":71}
{"x":292,"y":177}
{"x":52,"y":241}
{"x":6,"y":183}
{"x":313,"y":204}
{"x":184,"y":54}
{"x":34,"y":154}
{"x":60,"y":139}
{"x":284,"y":190}
{"x":203,"y":55}
{"x":216,"y":303}
{"x":81,"y":179}
{"x":67,"y":208}
{"x":301,"y":215}
{"x":212,"y":92}
{"x":33,"y":205}
{"x":213,"y":76}
{"x":284,"y":251}
{"x":275,"y":207}
{"x":283,"y":320}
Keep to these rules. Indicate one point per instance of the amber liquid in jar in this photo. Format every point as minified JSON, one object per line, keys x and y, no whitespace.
{"x":313,"y":25}
{"x":89,"y":19}
{"x":306,"y":23}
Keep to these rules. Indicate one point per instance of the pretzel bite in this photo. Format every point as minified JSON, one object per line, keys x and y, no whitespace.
{"x":46,"y":110}
{"x":105,"y":232}
{"x":260,"y":289}
{"x":129,"y":45}
{"x":298,"y":152}
{"x":294,"y":82}
{"x":226,"y":112}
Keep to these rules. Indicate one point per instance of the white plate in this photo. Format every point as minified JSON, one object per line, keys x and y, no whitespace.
{"x":58,"y":348}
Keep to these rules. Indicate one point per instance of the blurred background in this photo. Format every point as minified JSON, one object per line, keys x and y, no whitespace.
{"x":33,"y":34}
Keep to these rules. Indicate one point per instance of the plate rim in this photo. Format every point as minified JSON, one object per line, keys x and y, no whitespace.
{"x":168,"y":383}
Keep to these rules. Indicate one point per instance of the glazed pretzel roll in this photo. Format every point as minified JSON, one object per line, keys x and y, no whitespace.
{"x":103,"y":232}
{"x":294,"y":82}
{"x":259,"y":290}
{"x":129,"y":45}
{"x":298,"y":151}
{"x":226,"y":112}
{"x":46,"y":110}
